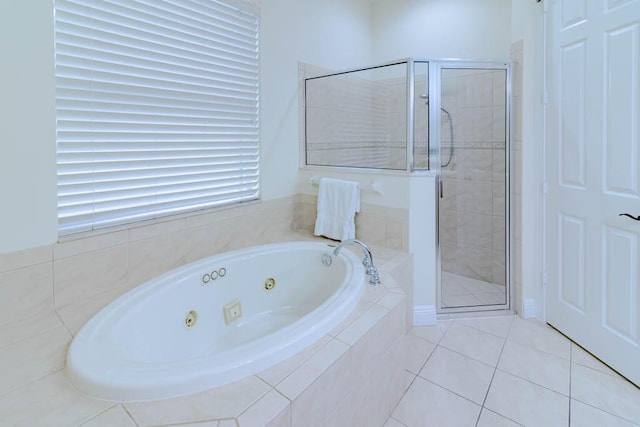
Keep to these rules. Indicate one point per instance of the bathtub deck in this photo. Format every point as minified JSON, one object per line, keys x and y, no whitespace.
{"x":359,"y":365}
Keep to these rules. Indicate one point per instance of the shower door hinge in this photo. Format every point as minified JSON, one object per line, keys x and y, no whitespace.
{"x":545,"y":97}
{"x":544,"y":278}
{"x":545,"y":187}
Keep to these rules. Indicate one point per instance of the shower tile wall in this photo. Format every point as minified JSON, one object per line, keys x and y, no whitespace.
{"x":472,"y":212}
{"x":353,"y":119}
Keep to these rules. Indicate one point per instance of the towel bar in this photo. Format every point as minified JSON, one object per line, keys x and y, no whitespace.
{"x":376,"y":185}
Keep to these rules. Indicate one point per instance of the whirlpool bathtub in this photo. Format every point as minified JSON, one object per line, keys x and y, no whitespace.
{"x":214,"y":321}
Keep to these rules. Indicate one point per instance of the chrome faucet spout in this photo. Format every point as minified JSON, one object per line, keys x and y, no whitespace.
{"x":367,"y":261}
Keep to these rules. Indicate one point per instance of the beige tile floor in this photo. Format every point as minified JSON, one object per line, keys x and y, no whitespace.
{"x":505,"y":371}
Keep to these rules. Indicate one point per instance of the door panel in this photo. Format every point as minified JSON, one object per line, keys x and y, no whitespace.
{"x":622,"y":74}
{"x":592,"y":161}
{"x":573,"y":124}
{"x":572,"y":265}
{"x":620,"y":299}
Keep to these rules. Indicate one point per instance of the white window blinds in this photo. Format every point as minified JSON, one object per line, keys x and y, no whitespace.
{"x":157,"y":109}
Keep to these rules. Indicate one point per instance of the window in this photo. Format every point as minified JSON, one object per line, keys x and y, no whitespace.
{"x":157,"y":109}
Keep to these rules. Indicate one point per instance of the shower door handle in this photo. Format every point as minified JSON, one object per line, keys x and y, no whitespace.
{"x":636,"y":218}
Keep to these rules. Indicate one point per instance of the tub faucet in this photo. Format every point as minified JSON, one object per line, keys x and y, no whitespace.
{"x":367,"y":261}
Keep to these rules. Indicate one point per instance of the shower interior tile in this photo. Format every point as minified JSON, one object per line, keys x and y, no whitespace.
{"x":499,"y":165}
{"x":498,"y":267}
{"x":475,"y":262}
{"x":449,"y":201}
{"x":475,"y":230}
{"x":480,"y":89}
{"x":499,"y":87}
{"x":474,"y":164}
{"x":499,"y":233}
{"x":474,"y":125}
{"x":498,"y":199}
{"x":474,"y":196}
{"x":499,"y":124}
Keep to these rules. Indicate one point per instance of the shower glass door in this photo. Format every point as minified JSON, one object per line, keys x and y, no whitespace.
{"x":473,"y":204}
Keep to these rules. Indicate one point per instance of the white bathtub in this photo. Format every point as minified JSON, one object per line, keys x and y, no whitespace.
{"x":168,"y":337}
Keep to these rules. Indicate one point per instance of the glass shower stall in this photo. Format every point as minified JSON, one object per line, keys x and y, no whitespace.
{"x":445,"y":117}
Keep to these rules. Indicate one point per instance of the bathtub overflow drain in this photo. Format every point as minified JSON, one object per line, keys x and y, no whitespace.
{"x":327,"y":260}
{"x":269,"y":284}
{"x":190,"y":319}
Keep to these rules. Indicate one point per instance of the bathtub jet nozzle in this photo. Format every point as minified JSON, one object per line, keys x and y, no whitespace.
{"x":367,"y":260}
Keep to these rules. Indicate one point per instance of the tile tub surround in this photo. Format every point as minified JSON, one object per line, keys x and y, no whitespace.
{"x":375,"y":225}
{"x":49,"y":288}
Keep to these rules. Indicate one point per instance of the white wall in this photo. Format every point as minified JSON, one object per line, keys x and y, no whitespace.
{"x":528,"y":14}
{"x":333,"y":34}
{"x":28,"y":216}
{"x":469,"y":29}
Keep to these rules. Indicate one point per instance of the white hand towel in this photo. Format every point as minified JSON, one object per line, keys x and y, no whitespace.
{"x":338,"y":202}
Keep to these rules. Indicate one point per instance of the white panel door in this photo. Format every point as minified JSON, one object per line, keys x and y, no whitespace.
{"x":593,"y":165}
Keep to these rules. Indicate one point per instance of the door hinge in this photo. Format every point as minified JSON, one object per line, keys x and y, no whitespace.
{"x":544,"y":278}
{"x":545,"y":187}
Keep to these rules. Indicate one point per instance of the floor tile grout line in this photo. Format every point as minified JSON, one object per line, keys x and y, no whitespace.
{"x":457,"y":321}
{"x":633,"y":422}
{"x":404,"y":393}
{"x":472,"y":358}
{"x":570,"y":381}
{"x":458,"y":353}
{"x":413,"y":380}
{"x":495,"y":369}
{"x":534,"y":383}
{"x":512,"y":317}
{"x":536,"y":348}
{"x":396,"y":420}
{"x":452,"y":392}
